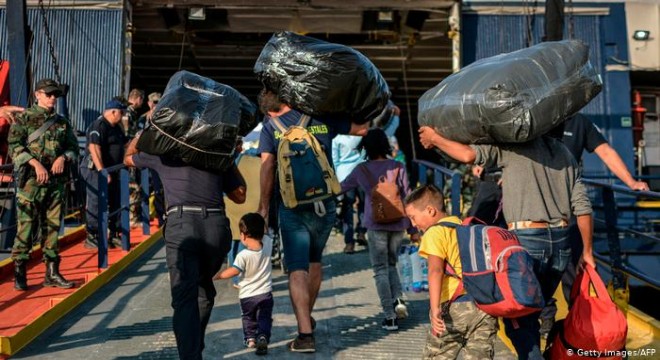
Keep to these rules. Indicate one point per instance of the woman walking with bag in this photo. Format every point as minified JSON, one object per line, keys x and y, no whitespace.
{"x":385,"y":184}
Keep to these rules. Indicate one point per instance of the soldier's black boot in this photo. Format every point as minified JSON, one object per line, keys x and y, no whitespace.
{"x":53,"y":276}
{"x":20,"y":275}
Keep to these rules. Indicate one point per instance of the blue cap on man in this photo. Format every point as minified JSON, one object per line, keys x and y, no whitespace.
{"x":115,"y":104}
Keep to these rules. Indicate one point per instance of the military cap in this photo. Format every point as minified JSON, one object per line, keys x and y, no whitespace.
{"x":49,"y":86}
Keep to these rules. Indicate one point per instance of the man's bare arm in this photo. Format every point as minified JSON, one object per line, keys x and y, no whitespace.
{"x":461,"y":152}
{"x":586,"y":227}
{"x":267,"y":182}
{"x":238,"y":195}
{"x":613,"y":161}
{"x":95,"y":153}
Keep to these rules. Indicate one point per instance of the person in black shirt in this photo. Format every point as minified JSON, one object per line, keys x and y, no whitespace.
{"x":581,"y":134}
{"x":105,"y":145}
{"x":197,"y":239}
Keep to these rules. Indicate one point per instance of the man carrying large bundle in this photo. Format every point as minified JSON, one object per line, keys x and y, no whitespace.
{"x":541,"y":182}
{"x":513,"y":97}
{"x":542,"y":190}
{"x":190,"y":144}
{"x":313,"y":90}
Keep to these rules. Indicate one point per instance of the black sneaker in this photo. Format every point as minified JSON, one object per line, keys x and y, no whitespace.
{"x":390,"y":324}
{"x":303,"y":345}
{"x":262,"y":345}
{"x":400,"y":309}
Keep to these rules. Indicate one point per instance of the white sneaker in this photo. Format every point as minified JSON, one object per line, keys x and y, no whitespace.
{"x":400,"y":309}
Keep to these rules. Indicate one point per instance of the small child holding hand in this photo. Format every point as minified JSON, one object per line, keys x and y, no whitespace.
{"x":255,"y":293}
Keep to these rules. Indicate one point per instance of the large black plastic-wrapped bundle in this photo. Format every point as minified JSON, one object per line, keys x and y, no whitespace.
{"x":198,"y":121}
{"x":321,"y":78}
{"x":512,"y":97}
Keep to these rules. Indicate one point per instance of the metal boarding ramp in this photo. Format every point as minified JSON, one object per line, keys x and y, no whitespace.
{"x":27,"y":314}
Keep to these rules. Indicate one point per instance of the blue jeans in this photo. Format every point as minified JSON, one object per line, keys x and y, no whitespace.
{"x":347,"y":213}
{"x":551,"y":251}
{"x":304,"y":234}
{"x":383,"y":253}
{"x":567,"y":280}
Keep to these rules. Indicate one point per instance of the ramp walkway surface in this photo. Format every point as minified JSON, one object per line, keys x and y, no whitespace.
{"x":130,"y":318}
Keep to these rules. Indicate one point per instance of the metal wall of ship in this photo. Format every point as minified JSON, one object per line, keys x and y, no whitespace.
{"x":89,"y":45}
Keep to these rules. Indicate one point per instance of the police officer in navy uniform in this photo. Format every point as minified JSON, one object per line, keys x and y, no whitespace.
{"x":105,"y":144}
{"x":197,"y":239}
{"x":41,"y":161}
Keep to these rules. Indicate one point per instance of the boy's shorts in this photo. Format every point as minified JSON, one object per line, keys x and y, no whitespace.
{"x":304,"y":235}
{"x":465,"y":324}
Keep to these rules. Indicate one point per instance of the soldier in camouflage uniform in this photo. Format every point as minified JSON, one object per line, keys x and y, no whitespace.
{"x":135,"y":100}
{"x":41,"y":179}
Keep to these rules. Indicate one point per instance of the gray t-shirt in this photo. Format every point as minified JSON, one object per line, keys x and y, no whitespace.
{"x":256,"y":268}
{"x":540,"y":180}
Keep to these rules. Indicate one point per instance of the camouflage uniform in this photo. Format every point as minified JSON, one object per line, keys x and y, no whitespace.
{"x":40,"y":203}
{"x":133,"y":120}
{"x":468,"y":188}
{"x":134,"y":187}
{"x":467,"y":328}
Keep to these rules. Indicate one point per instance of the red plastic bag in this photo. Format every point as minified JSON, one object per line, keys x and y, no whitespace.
{"x":594,"y":327}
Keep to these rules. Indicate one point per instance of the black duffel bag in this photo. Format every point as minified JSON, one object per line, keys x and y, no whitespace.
{"x":512,"y":97}
{"x":322,"y":79}
{"x":198,"y":121}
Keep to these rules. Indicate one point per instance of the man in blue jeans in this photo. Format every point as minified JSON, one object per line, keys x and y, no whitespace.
{"x":304,"y":233}
{"x":542,"y":189}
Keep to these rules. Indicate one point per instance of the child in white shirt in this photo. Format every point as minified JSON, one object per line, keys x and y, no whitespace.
{"x":255,"y":293}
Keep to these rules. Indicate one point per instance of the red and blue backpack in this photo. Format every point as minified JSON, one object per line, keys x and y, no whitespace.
{"x":498,"y":273}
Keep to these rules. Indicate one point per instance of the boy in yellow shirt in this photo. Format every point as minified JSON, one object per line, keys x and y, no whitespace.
{"x":457,"y":324}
